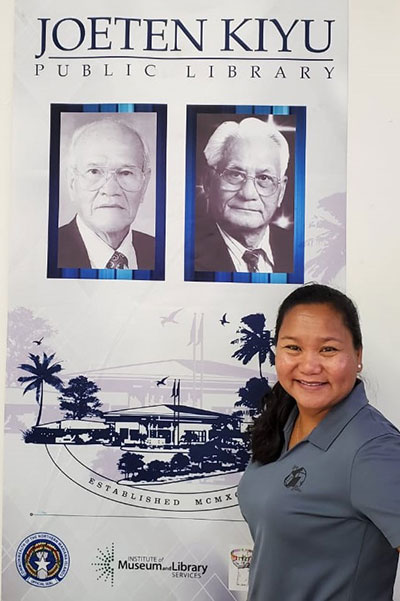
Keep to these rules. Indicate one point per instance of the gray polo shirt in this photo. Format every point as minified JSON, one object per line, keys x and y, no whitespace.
{"x":325,"y":517}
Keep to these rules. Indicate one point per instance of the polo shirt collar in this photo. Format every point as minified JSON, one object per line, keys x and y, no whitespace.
{"x":338,"y":417}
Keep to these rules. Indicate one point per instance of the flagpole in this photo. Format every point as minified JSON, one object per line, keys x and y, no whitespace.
{"x":194,"y":359}
{"x":178,"y":396}
{"x":174,"y":417}
{"x":200,"y":338}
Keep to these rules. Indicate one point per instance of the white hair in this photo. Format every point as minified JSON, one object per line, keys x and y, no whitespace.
{"x":248,"y":128}
{"x":93,"y":125}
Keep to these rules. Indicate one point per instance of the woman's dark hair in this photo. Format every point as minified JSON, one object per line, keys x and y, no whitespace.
{"x":267,"y":433}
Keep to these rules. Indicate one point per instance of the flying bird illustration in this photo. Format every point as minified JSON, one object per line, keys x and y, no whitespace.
{"x":38,"y":342}
{"x":223,"y":320}
{"x":170,"y":318}
{"x":162,"y":381}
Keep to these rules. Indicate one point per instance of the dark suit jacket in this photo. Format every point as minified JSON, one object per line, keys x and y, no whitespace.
{"x":211,"y":253}
{"x":72,"y":251}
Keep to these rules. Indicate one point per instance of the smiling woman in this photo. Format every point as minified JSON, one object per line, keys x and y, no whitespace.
{"x":322,"y":494}
{"x":316,"y":362}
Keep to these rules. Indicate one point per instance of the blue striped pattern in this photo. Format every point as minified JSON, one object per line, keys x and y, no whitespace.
{"x":297,"y":277}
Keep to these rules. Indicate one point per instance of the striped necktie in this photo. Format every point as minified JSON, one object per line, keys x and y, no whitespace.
{"x":251,"y":257}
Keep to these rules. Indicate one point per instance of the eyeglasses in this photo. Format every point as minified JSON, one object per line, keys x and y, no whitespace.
{"x":265,"y":183}
{"x":129,"y":178}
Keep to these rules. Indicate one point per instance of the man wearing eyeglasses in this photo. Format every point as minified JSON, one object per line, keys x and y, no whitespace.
{"x":108,"y":175}
{"x":242,"y":228}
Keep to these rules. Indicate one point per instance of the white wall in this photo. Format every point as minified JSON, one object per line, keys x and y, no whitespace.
{"x":373,"y":191}
{"x":373,"y":186}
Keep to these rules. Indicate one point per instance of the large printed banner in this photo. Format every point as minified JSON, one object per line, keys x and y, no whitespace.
{"x":178,"y":169}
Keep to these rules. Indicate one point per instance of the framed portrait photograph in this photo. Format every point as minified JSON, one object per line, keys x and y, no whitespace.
{"x":107,"y":192}
{"x":245,"y":183}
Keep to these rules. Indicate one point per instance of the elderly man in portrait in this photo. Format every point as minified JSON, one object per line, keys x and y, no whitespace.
{"x":107,"y":179}
{"x":244,"y":186}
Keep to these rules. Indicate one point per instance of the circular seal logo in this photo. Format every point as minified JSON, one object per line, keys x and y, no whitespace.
{"x":42,"y":559}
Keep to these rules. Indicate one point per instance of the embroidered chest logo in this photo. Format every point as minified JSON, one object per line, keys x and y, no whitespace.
{"x":296,"y":478}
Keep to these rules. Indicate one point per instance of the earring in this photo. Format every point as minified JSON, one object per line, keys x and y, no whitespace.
{"x":359,"y":367}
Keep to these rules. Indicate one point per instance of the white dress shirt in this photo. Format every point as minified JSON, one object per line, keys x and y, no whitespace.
{"x":100,"y":252}
{"x":236,"y":251}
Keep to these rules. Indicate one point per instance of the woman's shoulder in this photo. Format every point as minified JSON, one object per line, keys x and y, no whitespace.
{"x":370,"y":424}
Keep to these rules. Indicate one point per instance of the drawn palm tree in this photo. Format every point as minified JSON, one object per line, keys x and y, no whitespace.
{"x":43,"y":372}
{"x":23,"y":328}
{"x":254,"y":339}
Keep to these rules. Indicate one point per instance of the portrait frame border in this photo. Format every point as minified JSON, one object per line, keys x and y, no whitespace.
{"x":297,"y":275}
{"x":53,"y":271}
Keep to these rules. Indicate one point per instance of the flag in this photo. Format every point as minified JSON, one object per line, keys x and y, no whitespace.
{"x":192,"y":339}
{"x":200,"y":331}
